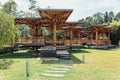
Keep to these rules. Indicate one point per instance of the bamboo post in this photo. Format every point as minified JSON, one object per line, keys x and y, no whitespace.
{"x":54,"y":35}
{"x":91,"y":37}
{"x":43,"y":40}
{"x":109,"y":37}
{"x":79,"y":38}
{"x":83,"y":57}
{"x":103,"y":38}
{"x":64,"y":38}
{"x":33,"y":35}
{"x":36,"y":35}
{"x":70,"y":36}
{"x":97,"y":37}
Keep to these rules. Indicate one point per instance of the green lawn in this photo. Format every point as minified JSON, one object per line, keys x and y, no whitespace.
{"x":99,"y":65}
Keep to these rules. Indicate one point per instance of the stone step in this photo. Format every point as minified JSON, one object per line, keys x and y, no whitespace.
{"x":62,"y":69}
{"x":63,"y":54}
{"x":67,"y":66}
{"x":52,"y":75}
{"x":56,"y":71}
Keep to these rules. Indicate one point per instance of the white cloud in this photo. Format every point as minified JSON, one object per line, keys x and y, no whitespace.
{"x":82,"y":8}
{"x":22,"y":4}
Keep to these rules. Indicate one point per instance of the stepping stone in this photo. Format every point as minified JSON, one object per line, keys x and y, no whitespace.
{"x":65,"y":66}
{"x":56,"y":71}
{"x":53,"y":75}
{"x":62,"y":69}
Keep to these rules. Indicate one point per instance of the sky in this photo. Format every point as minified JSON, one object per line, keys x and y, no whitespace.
{"x":81,"y":8}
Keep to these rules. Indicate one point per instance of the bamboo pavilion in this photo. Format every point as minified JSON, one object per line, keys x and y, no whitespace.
{"x":56,"y":19}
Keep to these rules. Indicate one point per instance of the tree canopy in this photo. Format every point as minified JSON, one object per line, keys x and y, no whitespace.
{"x":10,"y":7}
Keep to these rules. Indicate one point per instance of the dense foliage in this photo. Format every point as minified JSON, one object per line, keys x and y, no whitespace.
{"x":100,"y":18}
{"x":8,"y":30}
{"x":10,"y":8}
{"x":115,"y":34}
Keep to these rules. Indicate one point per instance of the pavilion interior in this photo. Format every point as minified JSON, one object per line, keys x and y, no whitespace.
{"x":55,"y":20}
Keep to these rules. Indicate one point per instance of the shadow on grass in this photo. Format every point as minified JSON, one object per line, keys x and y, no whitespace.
{"x":51,"y":62}
{"x":17,"y":55}
{"x":114,"y":49}
{"x":78,"y":51}
{"x":76,"y":60}
{"x":110,"y":49}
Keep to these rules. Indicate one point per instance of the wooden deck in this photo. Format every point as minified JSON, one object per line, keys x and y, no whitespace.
{"x":28,"y":45}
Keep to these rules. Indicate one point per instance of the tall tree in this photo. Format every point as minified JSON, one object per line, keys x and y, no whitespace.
{"x":111,"y":16}
{"x":83,"y":21}
{"x":117,"y":17}
{"x":88,"y":21}
{"x":106,"y":17}
{"x":7,"y":29}
{"x":10,"y":7}
{"x":98,"y":18}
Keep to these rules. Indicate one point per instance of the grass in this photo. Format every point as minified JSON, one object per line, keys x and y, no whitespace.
{"x":99,"y":65}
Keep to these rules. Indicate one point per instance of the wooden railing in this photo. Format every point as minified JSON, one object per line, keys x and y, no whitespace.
{"x":67,"y":41}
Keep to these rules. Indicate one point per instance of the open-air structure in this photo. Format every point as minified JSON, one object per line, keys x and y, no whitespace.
{"x":55,"y":19}
{"x":72,"y":34}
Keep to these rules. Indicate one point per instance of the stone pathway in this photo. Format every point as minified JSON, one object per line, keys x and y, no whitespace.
{"x":59,"y":71}
{"x":53,"y":75}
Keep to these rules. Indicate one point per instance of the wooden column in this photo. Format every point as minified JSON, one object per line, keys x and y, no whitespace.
{"x":33,"y":35}
{"x":54,"y":34}
{"x":64,"y":38}
{"x":43,"y":40}
{"x":36,"y":35}
{"x":97,"y":37}
{"x":109,"y":37}
{"x":81,"y":40}
{"x":71,"y":36}
{"x":91,"y":37}
{"x":78,"y":38}
{"x":103,"y":34}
